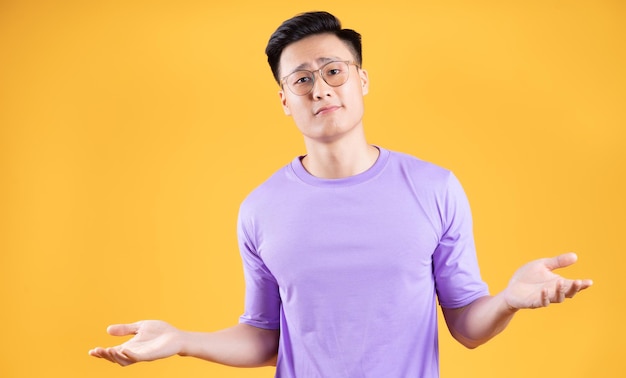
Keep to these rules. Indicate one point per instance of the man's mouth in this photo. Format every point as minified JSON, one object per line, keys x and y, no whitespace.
{"x":326,"y":109}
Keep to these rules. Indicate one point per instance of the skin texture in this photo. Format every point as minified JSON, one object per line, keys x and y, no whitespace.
{"x":331,"y":122}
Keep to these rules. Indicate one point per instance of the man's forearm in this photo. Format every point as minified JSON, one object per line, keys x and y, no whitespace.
{"x":478,"y":322}
{"x":241,"y":346}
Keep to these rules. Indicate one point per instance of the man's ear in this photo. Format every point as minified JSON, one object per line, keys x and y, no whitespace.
{"x":365,"y":81}
{"x":283,"y":101}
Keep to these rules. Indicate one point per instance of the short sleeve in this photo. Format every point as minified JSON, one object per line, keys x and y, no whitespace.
{"x":455,"y":266}
{"x":262,"y":298}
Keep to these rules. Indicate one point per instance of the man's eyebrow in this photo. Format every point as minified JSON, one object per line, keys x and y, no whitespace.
{"x":320,"y":61}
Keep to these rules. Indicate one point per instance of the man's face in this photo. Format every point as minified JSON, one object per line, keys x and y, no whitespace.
{"x":327,"y":113}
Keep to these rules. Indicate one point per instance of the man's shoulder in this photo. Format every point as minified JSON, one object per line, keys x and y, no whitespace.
{"x":273,"y":187}
{"x":417,"y":167}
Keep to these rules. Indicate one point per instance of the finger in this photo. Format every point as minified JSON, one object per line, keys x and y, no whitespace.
{"x":585,"y":284}
{"x":545,"y":298}
{"x":96,"y":352}
{"x":560,"y":291}
{"x":561,"y":261}
{"x":578,"y":285}
{"x":129,"y":354}
{"x":123,"y":329}
{"x":102,"y":353}
{"x":574,"y":288}
{"x":119,"y":357}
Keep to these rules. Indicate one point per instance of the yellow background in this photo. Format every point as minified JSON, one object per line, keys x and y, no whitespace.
{"x":131,"y":130}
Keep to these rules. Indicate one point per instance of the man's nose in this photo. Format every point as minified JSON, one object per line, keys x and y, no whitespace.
{"x":320,"y":86}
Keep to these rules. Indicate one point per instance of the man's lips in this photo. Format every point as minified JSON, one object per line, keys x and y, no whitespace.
{"x":326,"y":109}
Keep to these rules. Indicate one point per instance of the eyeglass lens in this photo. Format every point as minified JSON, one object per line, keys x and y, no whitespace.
{"x":333,"y":73}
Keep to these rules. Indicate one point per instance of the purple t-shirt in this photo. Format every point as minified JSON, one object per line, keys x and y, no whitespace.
{"x":350,"y":269}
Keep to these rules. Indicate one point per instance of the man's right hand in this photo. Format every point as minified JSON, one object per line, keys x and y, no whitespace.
{"x":152,"y":340}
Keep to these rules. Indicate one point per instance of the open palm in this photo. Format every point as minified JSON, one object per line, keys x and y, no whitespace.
{"x":152,"y":340}
{"x":536,"y":285}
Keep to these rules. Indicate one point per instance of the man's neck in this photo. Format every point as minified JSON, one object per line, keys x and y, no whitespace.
{"x":339,"y":159}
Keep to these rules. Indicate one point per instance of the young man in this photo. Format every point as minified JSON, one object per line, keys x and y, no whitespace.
{"x":347,"y":249}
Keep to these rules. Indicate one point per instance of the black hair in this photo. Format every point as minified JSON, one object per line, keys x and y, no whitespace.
{"x":304,"y":25}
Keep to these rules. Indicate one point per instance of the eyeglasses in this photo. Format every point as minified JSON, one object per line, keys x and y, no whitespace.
{"x":335,"y":74}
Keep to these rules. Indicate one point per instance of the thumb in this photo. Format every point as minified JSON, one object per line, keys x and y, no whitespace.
{"x":561,"y":261}
{"x":123,"y":329}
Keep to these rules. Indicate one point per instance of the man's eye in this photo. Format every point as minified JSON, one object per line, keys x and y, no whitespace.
{"x":300,"y":80}
{"x":333,"y":71}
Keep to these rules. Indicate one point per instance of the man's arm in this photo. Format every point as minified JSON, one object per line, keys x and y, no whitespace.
{"x":241,"y":345}
{"x":533,"y":285}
